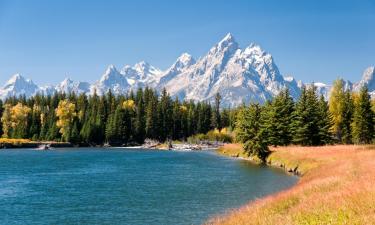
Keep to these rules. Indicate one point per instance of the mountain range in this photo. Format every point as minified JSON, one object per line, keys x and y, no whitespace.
{"x":239,"y":75}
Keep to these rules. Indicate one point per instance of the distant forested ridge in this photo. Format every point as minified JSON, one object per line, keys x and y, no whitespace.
{"x":113,"y":119}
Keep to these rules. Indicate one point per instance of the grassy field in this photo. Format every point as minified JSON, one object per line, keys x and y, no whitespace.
{"x":337,"y":186}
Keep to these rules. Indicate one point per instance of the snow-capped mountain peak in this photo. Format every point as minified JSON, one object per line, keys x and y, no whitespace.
{"x":14,"y":79}
{"x":227,"y":40}
{"x":141,"y":74}
{"x":185,"y":59}
{"x":182,"y":62}
{"x":368,"y":74}
{"x":66,"y":82}
{"x":68,"y":86}
{"x":18,"y":85}
{"x":227,"y":44}
{"x":142,"y":66}
{"x":111,"y":75}
{"x":367,"y":79}
{"x":18,"y":79}
{"x":113,"y":80}
{"x":144,"y":70}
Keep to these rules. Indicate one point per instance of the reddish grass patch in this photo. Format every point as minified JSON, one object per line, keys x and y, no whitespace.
{"x":336,"y":187}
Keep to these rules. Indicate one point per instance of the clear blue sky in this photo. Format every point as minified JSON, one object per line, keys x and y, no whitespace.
{"x":311,"y":40}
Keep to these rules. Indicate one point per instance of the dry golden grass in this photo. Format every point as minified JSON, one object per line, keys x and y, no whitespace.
{"x":20,"y":141}
{"x":233,"y":150}
{"x":14,"y":141}
{"x":337,"y":186}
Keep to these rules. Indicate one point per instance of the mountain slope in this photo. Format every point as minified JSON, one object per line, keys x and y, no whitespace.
{"x":112,"y":80}
{"x":181,"y":65}
{"x":248,"y":75}
{"x":368,"y":78}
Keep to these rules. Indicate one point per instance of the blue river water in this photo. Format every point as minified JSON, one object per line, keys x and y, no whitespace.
{"x":127,"y":186}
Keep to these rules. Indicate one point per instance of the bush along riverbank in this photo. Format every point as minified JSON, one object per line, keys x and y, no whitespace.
{"x":336,"y":187}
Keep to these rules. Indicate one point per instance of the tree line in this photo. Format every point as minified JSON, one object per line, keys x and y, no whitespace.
{"x":114,"y":119}
{"x":348,"y":117}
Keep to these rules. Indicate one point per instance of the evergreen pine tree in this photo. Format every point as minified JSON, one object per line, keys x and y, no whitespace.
{"x":177,"y":131}
{"x":225,"y":117}
{"x":216,"y":118}
{"x":191,"y":119}
{"x":165,"y":114}
{"x":300,"y":122}
{"x":347,"y":118}
{"x":249,"y":131}
{"x":74,"y":134}
{"x":277,"y":117}
{"x":306,"y":123}
{"x":325,"y":122}
{"x":35,"y":125}
{"x":1,"y":114}
{"x":184,"y":110}
{"x":363,"y":118}
{"x":109,"y":128}
{"x":139,"y":122}
{"x":151,"y":117}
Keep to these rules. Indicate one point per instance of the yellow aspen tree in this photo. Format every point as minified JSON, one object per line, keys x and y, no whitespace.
{"x":65,"y":112}
{"x":18,"y":117}
{"x":128,"y":104}
{"x":373,"y":105}
{"x":6,"y":120}
{"x":19,"y":114}
{"x":183,"y":108}
{"x":336,"y":106}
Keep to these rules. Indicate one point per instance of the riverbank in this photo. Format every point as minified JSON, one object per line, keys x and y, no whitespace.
{"x":6,"y":143}
{"x":336,"y":187}
{"x":26,"y":143}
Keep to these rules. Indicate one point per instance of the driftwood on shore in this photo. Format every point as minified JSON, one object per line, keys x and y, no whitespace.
{"x":154,"y":144}
{"x":149,"y":143}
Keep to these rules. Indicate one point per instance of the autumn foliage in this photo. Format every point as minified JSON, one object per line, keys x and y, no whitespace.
{"x":65,"y":112}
